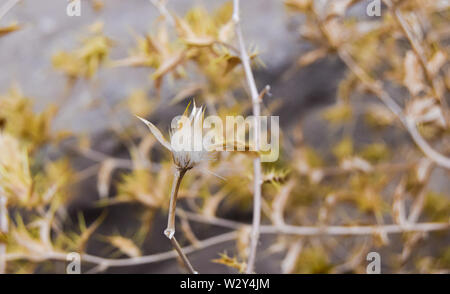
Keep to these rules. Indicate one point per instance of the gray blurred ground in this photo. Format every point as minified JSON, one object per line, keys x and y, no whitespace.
{"x":25,"y":56}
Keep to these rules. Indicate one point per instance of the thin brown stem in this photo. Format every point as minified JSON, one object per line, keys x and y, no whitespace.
{"x":169,"y":232}
{"x":183,"y":256}
{"x":178,"y":176}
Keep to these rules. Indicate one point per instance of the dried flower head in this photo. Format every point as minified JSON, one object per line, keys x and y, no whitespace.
{"x":186,"y":140}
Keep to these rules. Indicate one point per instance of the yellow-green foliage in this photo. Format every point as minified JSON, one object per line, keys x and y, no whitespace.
{"x":313,"y":260}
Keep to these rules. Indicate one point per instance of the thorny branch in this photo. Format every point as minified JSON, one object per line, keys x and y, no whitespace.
{"x":257,"y":178}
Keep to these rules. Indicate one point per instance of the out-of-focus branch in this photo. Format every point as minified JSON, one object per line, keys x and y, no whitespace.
{"x":318,"y":230}
{"x":161,"y":6}
{"x":105,"y":263}
{"x":322,"y":230}
{"x":98,"y":156}
{"x":279,"y":204}
{"x":257,"y":178}
{"x":7,"y":7}
{"x":354,"y":230}
{"x":419,"y":202}
{"x":211,"y":220}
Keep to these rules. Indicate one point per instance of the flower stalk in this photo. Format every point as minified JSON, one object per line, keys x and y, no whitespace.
{"x":178,"y":176}
{"x":169,"y":232}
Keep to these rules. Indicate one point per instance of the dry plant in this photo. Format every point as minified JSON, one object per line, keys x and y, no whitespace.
{"x":322,"y":212}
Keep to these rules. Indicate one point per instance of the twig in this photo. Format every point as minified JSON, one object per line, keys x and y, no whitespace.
{"x":163,"y":11}
{"x":7,"y":7}
{"x":98,"y":156}
{"x":257,"y":179}
{"x":290,"y":260}
{"x":419,"y":202}
{"x":398,"y":204}
{"x":279,"y":203}
{"x":323,"y":230}
{"x":183,"y":256}
{"x":265,"y":91}
{"x":105,"y":263}
{"x":354,"y":230}
{"x":211,"y":220}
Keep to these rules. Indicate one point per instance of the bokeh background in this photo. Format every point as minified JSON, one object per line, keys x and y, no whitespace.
{"x":26,"y":60}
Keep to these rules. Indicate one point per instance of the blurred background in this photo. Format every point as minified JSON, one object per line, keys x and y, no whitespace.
{"x":97,"y":110}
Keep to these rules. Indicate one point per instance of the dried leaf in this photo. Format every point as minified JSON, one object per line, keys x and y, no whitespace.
{"x":356,"y":163}
{"x":231,"y":262}
{"x":226,"y":32}
{"x":169,"y":64}
{"x":86,"y":233}
{"x":298,"y":5}
{"x":398,"y":205}
{"x":158,"y":135}
{"x":425,"y":110}
{"x":9,"y":29}
{"x":290,"y":260}
{"x":344,"y":148}
{"x":312,"y":56}
{"x":413,"y":79}
{"x":104,"y":177}
{"x":125,"y":245}
{"x":338,"y":7}
{"x":437,"y":61}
